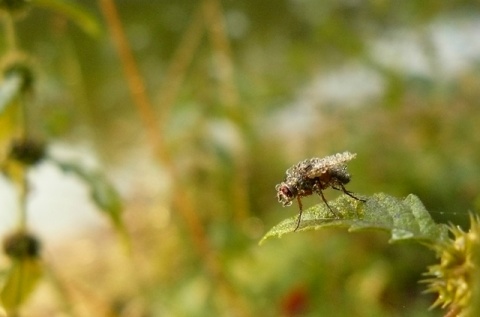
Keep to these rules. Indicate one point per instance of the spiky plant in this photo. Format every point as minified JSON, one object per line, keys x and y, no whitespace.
{"x":454,"y":278}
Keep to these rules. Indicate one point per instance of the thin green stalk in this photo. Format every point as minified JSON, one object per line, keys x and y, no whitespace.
{"x":23,"y":192}
{"x":10,"y":33}
{"x":23,"y":182}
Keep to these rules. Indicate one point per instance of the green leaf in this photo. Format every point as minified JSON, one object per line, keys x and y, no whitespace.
{"x":20,"y":282}
{"x":405,"y":219}
{"x":85,"y":20}
{"x":102,"y":192}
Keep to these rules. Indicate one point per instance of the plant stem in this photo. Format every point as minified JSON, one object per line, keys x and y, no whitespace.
{"x":23,"y":192}
{"x":10,"y":33}
{"x":178,"y":66}
{"x":132,"y":74}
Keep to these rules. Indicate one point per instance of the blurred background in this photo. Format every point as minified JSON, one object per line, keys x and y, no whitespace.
{"x":227,"y":96}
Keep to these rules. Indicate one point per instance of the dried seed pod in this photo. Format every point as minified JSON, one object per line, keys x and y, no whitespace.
{"x":27,"y":151}
{"x":21,"y":245}
{"x":16,"y":8}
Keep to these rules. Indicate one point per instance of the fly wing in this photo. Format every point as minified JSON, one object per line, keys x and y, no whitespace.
{"x":318,"y":166}
{"x":303,"y":168}
{"x":315,"y":167}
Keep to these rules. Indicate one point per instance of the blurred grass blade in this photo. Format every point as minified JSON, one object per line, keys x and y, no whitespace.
{"x":10,"y":89}
{"x":85,"y":20}
{"x":20,"y":282}
{"x":405,"y":219}
{"x":102,"y":192}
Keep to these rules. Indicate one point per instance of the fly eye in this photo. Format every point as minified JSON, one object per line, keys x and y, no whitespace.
{"x":284,"y":194}
{"x":286,"y":191}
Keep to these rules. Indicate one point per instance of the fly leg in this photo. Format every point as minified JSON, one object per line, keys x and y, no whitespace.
{"x":319,"y":191}
{"x":300,"y":214}
{"x":349,"y":193}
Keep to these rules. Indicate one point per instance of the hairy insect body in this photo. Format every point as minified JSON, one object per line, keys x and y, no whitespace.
{"x":313,"y":176}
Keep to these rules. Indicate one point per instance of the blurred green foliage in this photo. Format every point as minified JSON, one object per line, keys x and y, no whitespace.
{"x":310,"y":78}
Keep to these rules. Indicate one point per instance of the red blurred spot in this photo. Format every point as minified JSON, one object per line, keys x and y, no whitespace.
{"x":295,"y":303}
